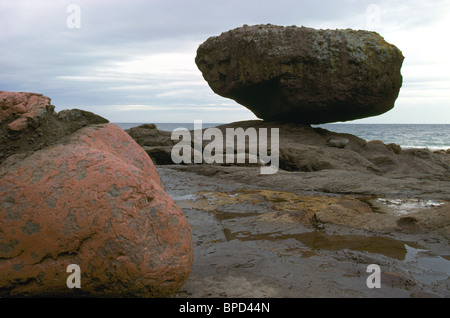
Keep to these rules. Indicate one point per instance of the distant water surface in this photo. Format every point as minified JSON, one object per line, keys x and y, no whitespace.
{"x":406,"y":135}
{"x":430,"y":136}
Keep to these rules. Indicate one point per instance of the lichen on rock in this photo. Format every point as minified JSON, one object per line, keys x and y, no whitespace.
{"x":84,"y":193}
{"x":303,"y":75}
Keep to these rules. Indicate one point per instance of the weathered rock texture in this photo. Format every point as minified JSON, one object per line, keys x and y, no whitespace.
{"x":321,"y":160}
{"x":308,"y":149}
{"x":28,"y":122}
{"x":303,"y":75}
{"x":156,"y":143}
{"x":91,"y":198}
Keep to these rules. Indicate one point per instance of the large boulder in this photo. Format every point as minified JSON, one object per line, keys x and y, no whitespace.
{"x":91,"y":198}
{"x":303,"y":75}
{"x":28,"y":122}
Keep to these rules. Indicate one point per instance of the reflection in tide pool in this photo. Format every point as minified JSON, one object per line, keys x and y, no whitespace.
{"x":427,"y":267}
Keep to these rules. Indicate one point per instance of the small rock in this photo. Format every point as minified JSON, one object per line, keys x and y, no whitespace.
{"x":422,"y":153}
{"x":339,"y":143}
{"x":18,"y":124}
{"x":407,"y":223}
{"x":396,"y":280}
{"x":375,"y":143}
{"x":397,"y":149}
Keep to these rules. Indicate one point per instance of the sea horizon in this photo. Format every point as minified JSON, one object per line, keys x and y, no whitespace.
{"x":431,"y":136}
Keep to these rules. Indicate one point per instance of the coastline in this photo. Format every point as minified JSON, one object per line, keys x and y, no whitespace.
{"x":314,"y":233}
{"x":307,"y":199}
{"x":337,"y":205}
{"x":364,"y":131}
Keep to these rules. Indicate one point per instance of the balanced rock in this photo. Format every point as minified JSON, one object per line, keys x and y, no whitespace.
{"x":303,"y":75}
{"x":91,"y":198}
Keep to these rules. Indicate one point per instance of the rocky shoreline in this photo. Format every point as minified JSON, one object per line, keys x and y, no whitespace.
{"x":255,"y":240}
{"x":311,"y":232}
{"x":79,"y":192}
{"x":336,"y":205}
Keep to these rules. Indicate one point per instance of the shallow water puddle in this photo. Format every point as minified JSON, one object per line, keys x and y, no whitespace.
{"x":430,"y":267}
{"x":405,"y":206}
{"x":221,"y":215}
{"x":237,"y":211}
{"x":316,"y":241}
{"x":185,"y":197}
{"x":244,"y":202}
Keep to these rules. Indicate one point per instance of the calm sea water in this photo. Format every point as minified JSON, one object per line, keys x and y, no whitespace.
{"x":406,"y":135}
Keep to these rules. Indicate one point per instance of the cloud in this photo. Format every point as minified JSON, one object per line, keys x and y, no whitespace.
{"x":134,"y":60}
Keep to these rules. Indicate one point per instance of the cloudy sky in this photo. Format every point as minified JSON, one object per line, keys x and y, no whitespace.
{"x":133,"y":61}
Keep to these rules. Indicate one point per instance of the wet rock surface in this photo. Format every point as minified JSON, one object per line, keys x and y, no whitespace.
{"x":267,"y":241}
{"x":303,"y":75}
{"x":312,"y":232}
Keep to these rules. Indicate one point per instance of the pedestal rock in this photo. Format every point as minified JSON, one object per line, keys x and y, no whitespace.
{"x":303,"y":75}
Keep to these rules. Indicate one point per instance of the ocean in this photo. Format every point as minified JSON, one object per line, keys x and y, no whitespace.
{"x":431,"y":136}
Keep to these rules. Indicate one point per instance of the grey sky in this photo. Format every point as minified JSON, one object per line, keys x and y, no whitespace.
{"x":133,"y":61}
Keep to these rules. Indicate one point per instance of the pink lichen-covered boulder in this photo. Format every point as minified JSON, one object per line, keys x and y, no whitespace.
{"x":93,"y":199}
{"x":21,"y":106}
